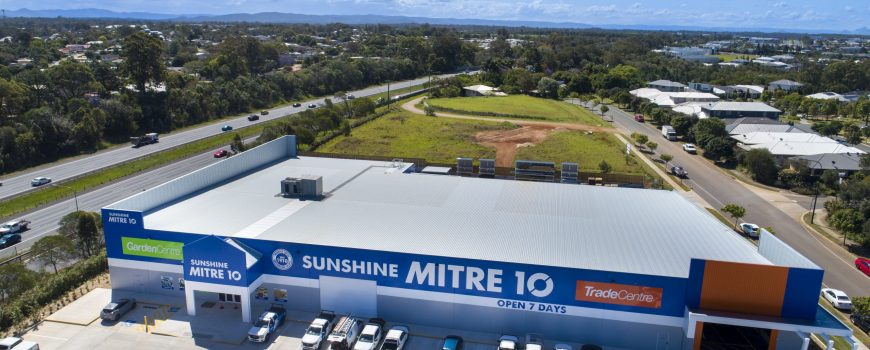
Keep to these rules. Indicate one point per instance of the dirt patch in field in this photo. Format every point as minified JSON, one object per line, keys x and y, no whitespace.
{"x":506,"y":142}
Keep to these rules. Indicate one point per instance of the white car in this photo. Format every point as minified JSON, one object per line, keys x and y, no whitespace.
{"x":39,"y":181}
{"x":837,"y":298}
{"x":396,"y":338}
{"x":562,"y":347}
{"x":688,"y":147}
{"x":369,"y":338}
{"x":508,"y":342}
{"x":751,"y":230}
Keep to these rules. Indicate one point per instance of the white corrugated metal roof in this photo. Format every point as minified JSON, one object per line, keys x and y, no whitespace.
{"x":576,"y":226}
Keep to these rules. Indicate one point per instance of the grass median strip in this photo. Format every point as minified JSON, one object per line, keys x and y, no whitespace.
{"x":87,"y":182}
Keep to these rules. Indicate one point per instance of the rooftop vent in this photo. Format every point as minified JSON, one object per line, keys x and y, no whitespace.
{"x":305,"y":187}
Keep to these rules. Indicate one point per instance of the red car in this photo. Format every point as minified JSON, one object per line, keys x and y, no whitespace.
{"x":221,"y":153}
{"x":638,"y":118}
{"x":863,"y":264}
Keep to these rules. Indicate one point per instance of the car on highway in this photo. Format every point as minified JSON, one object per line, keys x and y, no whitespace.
{"x":114,"y":310}
{"x":351,"y":97}
{"x":221,"y":153}
{"x":837,"y":298}
{"x":253,"y":117}
{"x":297,"y":104}
{"x":690,"y":148}
{"x":508,"y":342}
{"x":861,"y":321}
{"x":562,"y":347}
{"x":39,"y":181}
{"x":226,"y":128}
{"x":9,"y":240}
{"x":312,"y":105}
{"x":678,"y":171}
{"x":638,"y":118}
{"x":396,"y":338}
{"x":863,"y":264}
{"x":751,"y":230}
{"x":264,"y":112}
{"x":452,"y":342}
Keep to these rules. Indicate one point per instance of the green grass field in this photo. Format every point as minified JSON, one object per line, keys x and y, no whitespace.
{"x":404,"y":134}
{"x":728,"y":56}
{"x":588,"y":150}
{"x":518,"y":106}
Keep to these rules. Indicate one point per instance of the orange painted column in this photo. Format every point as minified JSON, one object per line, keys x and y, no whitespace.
{"x":699,"y":332}
{"x":773,"y":334}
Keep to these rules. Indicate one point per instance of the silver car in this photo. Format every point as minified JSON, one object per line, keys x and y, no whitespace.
{"x":114,"y":310}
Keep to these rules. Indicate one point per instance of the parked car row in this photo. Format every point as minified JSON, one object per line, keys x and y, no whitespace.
{"x":348,"y":332}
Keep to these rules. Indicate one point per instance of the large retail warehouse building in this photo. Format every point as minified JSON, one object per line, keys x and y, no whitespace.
{"x":622,"y":268}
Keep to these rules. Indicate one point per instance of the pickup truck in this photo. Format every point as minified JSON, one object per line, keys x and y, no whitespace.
{"x":267,"y":323}
{"x":14,"y":226}
{"x":15,"y":343}
{"x":146,"y":139}
{"x":371,"y":335}
{"x":318,"y":330}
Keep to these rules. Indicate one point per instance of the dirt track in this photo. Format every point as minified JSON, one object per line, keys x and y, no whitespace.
{"x":506,"y":142}
{"x":410,"y":107}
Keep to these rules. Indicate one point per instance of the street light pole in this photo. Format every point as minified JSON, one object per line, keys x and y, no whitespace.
{"x":816,"y":196}
{"x":75,"y":194}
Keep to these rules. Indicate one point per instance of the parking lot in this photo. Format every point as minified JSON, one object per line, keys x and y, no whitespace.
{"x":78,"y":326}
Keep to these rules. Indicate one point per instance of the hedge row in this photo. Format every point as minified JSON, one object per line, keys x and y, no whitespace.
{"x":50,"y":289}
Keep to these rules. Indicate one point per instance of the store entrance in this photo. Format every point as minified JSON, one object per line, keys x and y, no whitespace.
{"x":727,"y":337}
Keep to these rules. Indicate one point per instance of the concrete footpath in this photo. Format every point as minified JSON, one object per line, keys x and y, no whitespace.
{"x":84,"y":310}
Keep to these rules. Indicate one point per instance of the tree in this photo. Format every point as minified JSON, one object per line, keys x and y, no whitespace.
{"x":604,"y":109}
{"x":86,"y":228}
{"x":828,"y":128}
{"x":847,"y":220}
{"x":15,"y":278}
{"x":652,"y":146}
{"x":861,"y":305}
{"x":719,"y":148}
{"x":53,"y":250}
{"x":761,"y":165}
{"x":667,"y":158}
{"x":604,"y":167}
{"x":548,"y":87}
{"x":639,"y":139}
{"x":237,"y":146}
{"x":853,"y":134}
{"x":735,"y":211}
{"x":865,"y":161}
{"x":142,"y":59}
{"x":707,"y":129}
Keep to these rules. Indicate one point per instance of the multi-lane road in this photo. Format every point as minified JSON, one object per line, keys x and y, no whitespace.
{"x":20,"y":182}
{"x":719,"y":188}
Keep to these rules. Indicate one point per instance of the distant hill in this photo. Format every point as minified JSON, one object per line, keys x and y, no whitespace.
{"x":281,"y":17}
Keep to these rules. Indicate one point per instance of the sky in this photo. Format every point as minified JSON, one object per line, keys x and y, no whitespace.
{"x":786,"y":14}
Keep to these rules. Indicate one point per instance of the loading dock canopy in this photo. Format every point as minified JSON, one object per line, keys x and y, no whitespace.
{"x":824,"y":322}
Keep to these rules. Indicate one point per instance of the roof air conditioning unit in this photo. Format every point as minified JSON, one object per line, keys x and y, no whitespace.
{"x":306,"y":187}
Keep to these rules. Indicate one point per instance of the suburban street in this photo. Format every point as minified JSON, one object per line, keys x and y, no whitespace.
{"x":719,"y":189}
{"x":20,"y":182}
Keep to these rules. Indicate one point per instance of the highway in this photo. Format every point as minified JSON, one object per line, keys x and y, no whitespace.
{"x":718,"y":189}
{"x":45,"y":221}
{"x":20,"y":182}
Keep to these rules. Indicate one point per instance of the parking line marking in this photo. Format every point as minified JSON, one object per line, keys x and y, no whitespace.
{"x":48,"y":337}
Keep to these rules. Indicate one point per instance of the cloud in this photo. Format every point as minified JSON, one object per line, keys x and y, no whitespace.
{"x":781,"y":4}
{"x":602,"y":8}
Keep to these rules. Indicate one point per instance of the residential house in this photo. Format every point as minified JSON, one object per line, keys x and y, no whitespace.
{"x":828,"y":96}
{"x":742,"y":126}
{"x":784,"y":85}
{"x":749,"y":91}
{"x":843,"y":163}
{"x":784,"y":145}
{"x":741,"y":109}
{"x":701,"y":87}
{"x":666,"y":86}
{"x":670,"y":99}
